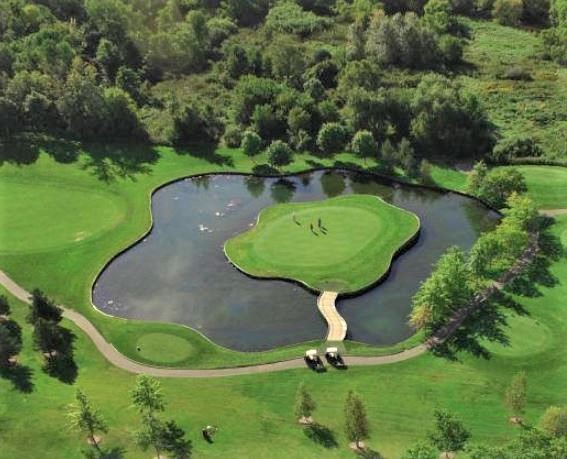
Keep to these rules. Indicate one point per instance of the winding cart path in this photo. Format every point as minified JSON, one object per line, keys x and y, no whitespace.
{"x":326,"y":302}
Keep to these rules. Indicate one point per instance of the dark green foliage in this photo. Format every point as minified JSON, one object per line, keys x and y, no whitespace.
{"x":248,"y":12}
{"x":43,"y":308}
{"x":363,"y":145}
{"x":449,"y":434}
{"x":50,"y":338}
{"x":520,"y":147}
{"x":4,"y":306}
{"x":251,"y":143}
{"x":279,"y":154}
{"x":196,"y":123}
{"x":447,"y":120}
{"x":10,"y":341}
{"x":332,"y":138}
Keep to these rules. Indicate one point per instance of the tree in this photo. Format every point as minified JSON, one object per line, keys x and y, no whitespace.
{"x":476,"y":177}
{"x":332,"y":138}
{"x":406,"y":157}
{"x":10,"y":343}
{"x":43,"y":308}
{"x":304,"y":404}
{"x":448,"y":120}
{"x":147,"y":396}
{"x":449,"y":286}
{"x":421,"y":451}
{"x":449,"y":435}
{"x":148,"y":400}
{"x":251,"y":144}
{"x":9,"y":121}
{"x":163,"y":436}
{"x":86,"y":419}
{"x":279,"y":154}
{"x":4,"y":306}
{"x":515,"y":396}
{"x":356,"y":421}
{"x":364,"y":146}
{"x":499,"y":184}
{"x":50,"y":338}
{"x":554,"y":421}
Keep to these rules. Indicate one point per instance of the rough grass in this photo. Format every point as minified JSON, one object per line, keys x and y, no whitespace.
{"x":342,"y":244}
{"x":519,"y":108}
{"x":255,"y":413}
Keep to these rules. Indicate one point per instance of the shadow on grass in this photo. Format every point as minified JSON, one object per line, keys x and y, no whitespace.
{"x":20,"y":376}
{"x":369,"y":454}
{"x":321,"y":435}
{"x":105,"y":453}
{"x":62,"y":365}
{"x":487,"y":323}
{"x":207,"y":152}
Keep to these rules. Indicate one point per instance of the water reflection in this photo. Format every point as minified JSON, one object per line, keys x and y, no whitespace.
{"x":179,"y":272}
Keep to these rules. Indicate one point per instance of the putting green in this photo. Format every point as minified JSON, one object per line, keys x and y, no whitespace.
{"x":81,"y":214}
{"x":163,"y":348}
{"x":341,"y":244}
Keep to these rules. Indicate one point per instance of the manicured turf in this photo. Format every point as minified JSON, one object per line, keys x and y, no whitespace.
{"x":108,"y":201}
{"x":255,"y":413}
{"x":546,"y":186}
{"x":342,"y":244}
{"x":164,"y":347}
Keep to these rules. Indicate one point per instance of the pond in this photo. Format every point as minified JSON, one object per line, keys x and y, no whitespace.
{"x":179,"y":273}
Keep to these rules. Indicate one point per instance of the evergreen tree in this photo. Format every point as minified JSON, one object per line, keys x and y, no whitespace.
{"x":304,"y":404}
{"x":85,"y":418}
{"x":356,"y":421}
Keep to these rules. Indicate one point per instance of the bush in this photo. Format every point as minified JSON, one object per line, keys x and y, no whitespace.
{"x":520,"y":147}
{"x":251,"y":143}
{"x":332,"y":138}
{"x":508,"y":12}
{"x":517,"y":74}
{"x":289,"y":17}
{"x":279,"y":154}
{"x":232,"y":136}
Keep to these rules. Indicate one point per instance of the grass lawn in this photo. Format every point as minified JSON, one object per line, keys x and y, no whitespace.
{"x":341,"y":244}
{"x":65,"y":219}
{"x":546,"y":186}
{"x":255,"y":413}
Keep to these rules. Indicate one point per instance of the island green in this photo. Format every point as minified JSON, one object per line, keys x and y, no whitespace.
{"x":343,"y":244}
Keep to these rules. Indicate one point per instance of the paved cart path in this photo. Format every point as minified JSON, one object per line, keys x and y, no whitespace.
{"x":111,"y":354}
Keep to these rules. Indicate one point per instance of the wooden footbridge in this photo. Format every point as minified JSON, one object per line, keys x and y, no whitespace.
{"x":337,"y":325}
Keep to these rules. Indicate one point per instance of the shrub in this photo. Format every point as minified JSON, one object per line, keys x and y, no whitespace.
{"x":279,"y":153}
{"x":289,"y":17}
{"x":233,"y":136}
{"x":519,"y":147}
{"x":332,"y":138}
{"x":508,"y":12}
{"x":251,"y":143}
{"x":517,"y":73}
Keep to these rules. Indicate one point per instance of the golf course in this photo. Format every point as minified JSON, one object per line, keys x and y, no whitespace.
{"x":283,"y":229}
{"x":342,"y":244}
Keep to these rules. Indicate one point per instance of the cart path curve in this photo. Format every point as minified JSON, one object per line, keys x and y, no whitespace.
{"x":337,"y":325}
{"x":119,"y":360}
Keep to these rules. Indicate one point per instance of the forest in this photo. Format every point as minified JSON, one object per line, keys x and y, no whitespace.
{"x":378,"y":79}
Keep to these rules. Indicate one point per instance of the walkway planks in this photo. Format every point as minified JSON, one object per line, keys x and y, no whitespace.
{"x":337,"y":325}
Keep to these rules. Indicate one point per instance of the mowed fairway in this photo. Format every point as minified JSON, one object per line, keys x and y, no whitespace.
{"x":342,"y":244}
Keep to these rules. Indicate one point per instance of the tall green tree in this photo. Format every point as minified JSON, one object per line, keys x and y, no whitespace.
{"x":450,"y":435}
{"x":516,"y":395}
{"x":86,"y":419}
{"x":356,"y":420}
{"x":42,"y":307}
{"x":364,"y":146}
{"x":251,"y":144}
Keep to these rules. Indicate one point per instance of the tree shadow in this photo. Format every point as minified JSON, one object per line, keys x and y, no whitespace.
{"x":62,"y":366}
{"x":487,"y":323}
{"x":116,"y":452}
{"x":321,"y":435}
{"x":264,"y":169}
{"x":20,"y":376}
{"x":206,"y":151}
{"x":112,"y":161}
{"x":368,"y":453}
{"x":282,"y":190}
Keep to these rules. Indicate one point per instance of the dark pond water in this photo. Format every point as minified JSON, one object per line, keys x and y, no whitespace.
{"x":179,"y":272}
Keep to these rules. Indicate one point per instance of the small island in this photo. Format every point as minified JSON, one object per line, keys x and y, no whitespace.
{"x":343,"y":244}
